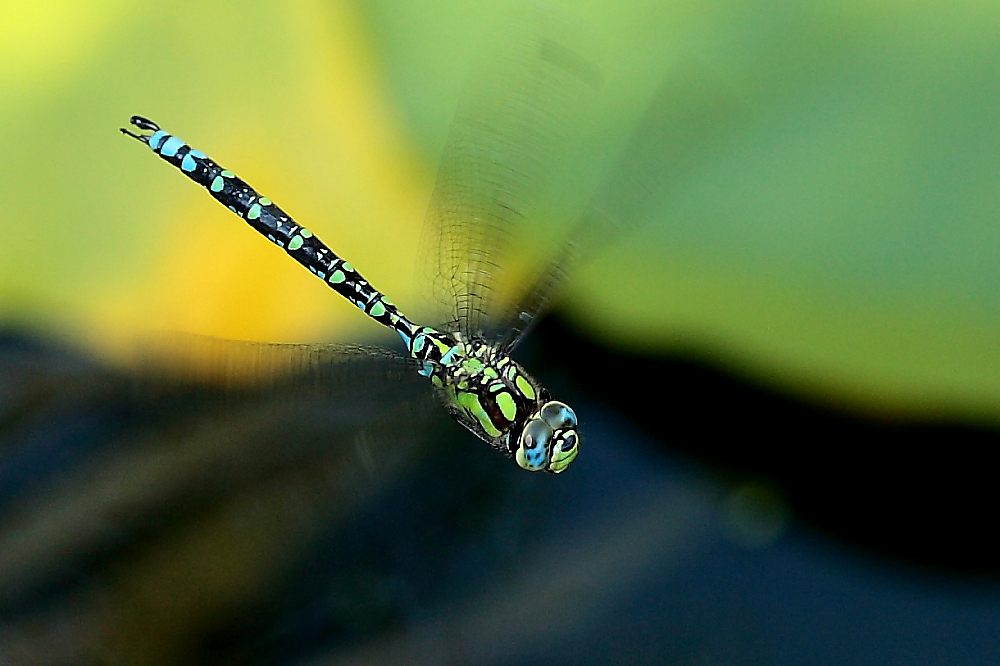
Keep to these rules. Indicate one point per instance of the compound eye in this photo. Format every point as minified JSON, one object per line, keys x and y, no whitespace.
{"x":536,"y":434}
{"x":558,"y":415}
{"x":568,"y":442}
{"x":532,"y":450}
{"x":564,"y":450}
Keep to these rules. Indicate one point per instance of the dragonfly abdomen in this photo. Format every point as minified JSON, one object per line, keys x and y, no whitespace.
{"x":276,"y":225}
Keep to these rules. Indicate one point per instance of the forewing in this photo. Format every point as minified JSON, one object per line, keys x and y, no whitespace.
{"x":691,"y":116}
{"x":532,"y":88}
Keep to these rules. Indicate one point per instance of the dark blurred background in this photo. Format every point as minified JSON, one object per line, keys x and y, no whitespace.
{"x":787,"y":378}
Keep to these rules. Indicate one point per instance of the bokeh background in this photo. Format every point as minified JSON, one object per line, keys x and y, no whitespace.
{"x":794,"y":364}
{"x":842,"y":245}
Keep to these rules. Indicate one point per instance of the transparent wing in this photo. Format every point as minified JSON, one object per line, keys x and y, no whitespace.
{"x":533,"y":87}
{"x":692,"y":115}
{"x":236,"y":364}
{"x":148,"y":482}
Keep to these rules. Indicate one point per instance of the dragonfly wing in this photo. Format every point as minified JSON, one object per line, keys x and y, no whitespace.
{"x":693,"y":113}
{"x":242,"y":365}
{"x":113,"y":483}
{"x":532,"y":87}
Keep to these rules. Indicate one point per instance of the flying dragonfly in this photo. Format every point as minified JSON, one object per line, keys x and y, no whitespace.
{"x":479,"y":196}
{"x":509,"y":132}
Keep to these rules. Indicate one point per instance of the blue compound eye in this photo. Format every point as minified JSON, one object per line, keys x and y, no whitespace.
{"x":558,"y":415}
{"x":536,"y":435}
{"x":533,"y":446}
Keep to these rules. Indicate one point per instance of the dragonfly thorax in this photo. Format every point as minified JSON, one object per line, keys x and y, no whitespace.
{"x":491,"y":394}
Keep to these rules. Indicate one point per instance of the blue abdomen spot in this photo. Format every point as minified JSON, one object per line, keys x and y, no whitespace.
{"x":156,"y":138}
{"x":188,"y":164}
{"x":171,"y":146}
{"x":197,"y":154}
{"x":217,"y":184}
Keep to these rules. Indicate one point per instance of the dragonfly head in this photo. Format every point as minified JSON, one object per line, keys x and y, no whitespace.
{"x":549,"y":440}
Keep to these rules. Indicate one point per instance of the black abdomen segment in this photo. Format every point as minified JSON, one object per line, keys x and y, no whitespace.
{"x":261,"y":214}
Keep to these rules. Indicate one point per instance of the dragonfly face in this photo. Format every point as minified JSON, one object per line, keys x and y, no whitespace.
{"x":549,"y":440}
{"x":490,"y":394}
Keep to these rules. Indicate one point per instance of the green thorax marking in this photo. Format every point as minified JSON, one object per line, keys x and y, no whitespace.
{"x":490,"y":394}
{"x":472,"y":366}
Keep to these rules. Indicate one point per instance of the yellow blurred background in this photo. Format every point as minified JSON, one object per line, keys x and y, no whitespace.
{"x":845,"y":245}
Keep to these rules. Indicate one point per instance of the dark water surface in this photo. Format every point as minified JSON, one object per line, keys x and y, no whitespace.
{"x":162,"y":521}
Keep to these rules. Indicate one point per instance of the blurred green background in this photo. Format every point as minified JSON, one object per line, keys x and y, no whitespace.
{"x":843,"y":244}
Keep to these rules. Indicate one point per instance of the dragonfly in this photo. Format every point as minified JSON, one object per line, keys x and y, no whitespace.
{"x":482,"y":387}
{"x":480,"y":195}
{"x":510,"y":131}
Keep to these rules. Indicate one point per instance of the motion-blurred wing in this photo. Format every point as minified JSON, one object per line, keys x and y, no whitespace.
{"x":237,"y":364}
{"x":533,"y":87}
{"x":121,"y":491}
{"x":692,"y":114}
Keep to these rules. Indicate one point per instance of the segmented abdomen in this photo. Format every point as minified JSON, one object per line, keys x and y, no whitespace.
{"x":261,"y":214}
